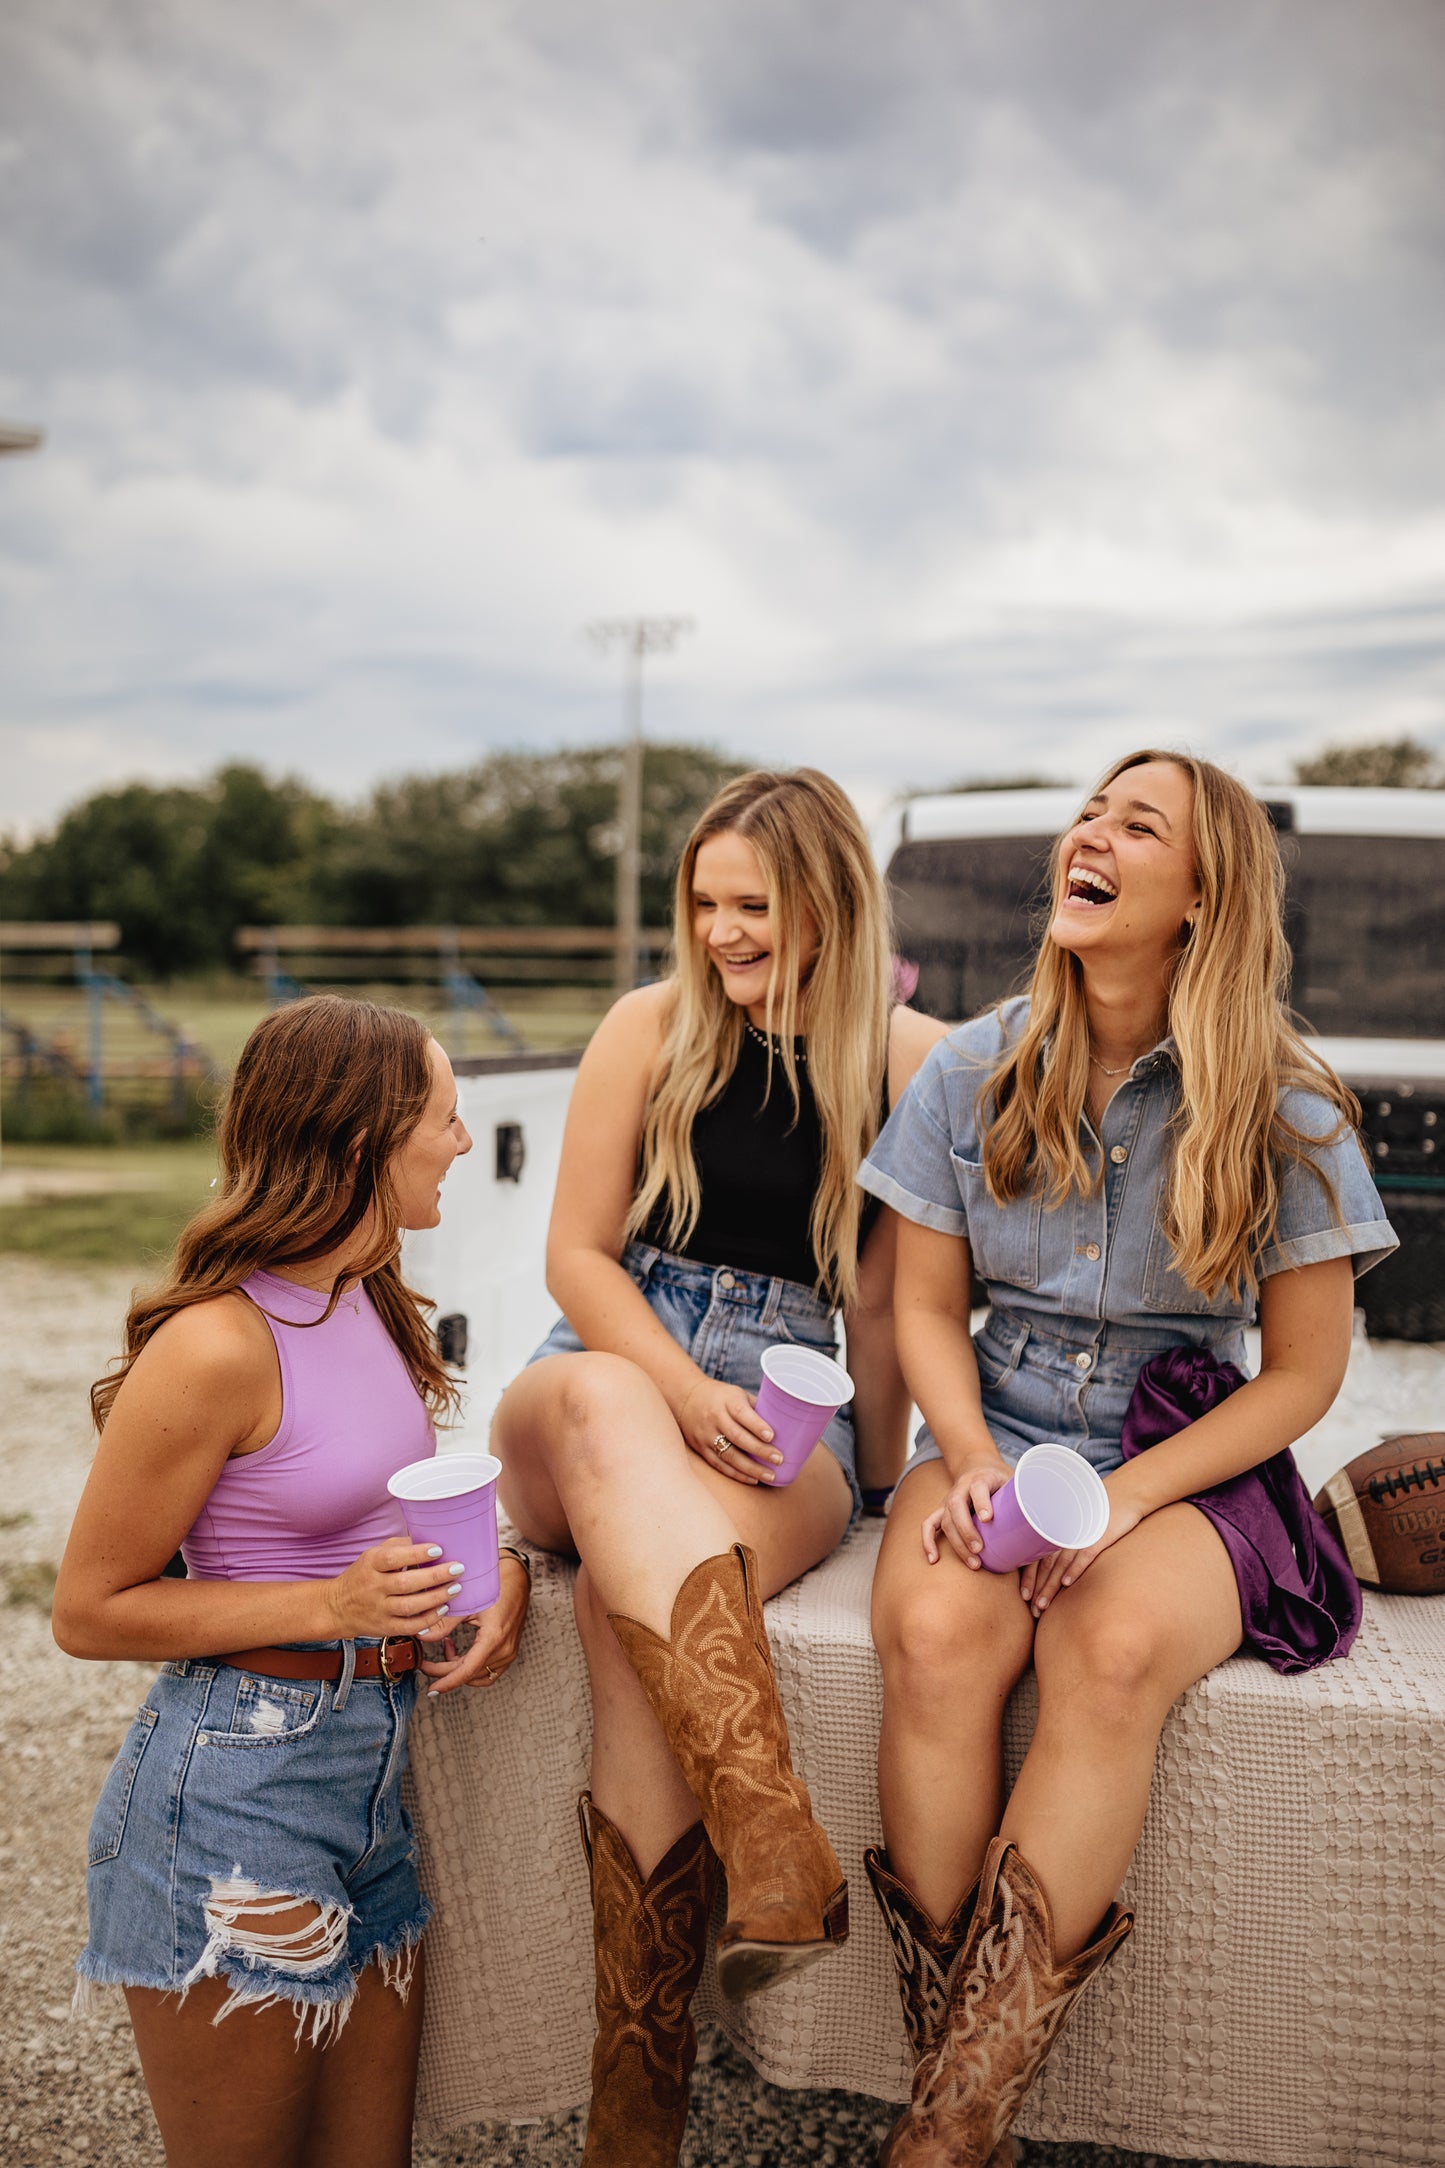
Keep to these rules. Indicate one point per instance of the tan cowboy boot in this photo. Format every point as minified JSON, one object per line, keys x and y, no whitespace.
{"x":1009,"y":2003}
{"x":712,"y":1689}
{"x":926,"y":1957}
{"x":650,"y":1939}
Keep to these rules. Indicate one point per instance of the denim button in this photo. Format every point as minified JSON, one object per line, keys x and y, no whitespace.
{"x":1083,"y":1359}
{"x":1092,"y":1250}
{"x":726,"y":1279}
{"x":202,"y":1738}
{"x":1119,"y":1153}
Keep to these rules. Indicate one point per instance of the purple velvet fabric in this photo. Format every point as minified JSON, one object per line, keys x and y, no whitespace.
{"x":1301,"y":1603}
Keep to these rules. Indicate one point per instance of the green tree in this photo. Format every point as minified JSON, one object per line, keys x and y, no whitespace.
{"x":522,"y":839}
{"x":178,"y":867}
{"x":1391,"y":764}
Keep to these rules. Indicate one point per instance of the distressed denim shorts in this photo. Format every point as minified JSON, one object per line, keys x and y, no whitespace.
{"x":232,"y":1793}
{"x":1064,"y":1381}
{"x":727,"y":1320}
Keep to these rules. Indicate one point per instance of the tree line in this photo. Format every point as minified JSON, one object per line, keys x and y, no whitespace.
{"x":520,"y":839}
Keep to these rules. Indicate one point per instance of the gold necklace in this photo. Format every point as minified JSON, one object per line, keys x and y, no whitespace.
{"x":1097,"y":1064}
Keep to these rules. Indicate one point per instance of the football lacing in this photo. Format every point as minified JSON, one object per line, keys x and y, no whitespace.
{"x":1405,"y":1479}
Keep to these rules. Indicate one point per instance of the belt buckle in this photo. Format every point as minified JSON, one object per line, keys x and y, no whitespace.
{"x":384,"y":1656}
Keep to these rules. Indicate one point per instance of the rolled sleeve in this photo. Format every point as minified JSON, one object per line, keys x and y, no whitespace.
{"x":910,"y":1166}
{"x":1308,"y":1232}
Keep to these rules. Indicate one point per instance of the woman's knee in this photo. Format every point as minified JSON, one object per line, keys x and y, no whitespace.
{"x":1099,"y":1665}
{"x":935,"y":1636}
{"x":593,"y":1409}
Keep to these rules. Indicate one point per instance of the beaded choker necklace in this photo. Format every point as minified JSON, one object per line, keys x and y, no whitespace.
{"x":774,"y":1046}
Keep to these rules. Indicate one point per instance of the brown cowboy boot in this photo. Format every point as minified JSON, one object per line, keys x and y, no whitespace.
{"x":926,"y":1957}
{"x":712,"y":1689}
{"x":650,"y":1939}
{"x":1009,"y":2003}
{"x":925,"y":1954}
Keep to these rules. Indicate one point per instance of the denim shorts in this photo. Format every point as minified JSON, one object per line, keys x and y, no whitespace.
{"x":1064,"y":1381}
{"x":727,"y":1320}
{"x":232,"y":1792}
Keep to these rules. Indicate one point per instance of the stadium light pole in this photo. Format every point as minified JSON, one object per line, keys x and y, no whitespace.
{"x":16,"y":437}
{"x":638,"y":637}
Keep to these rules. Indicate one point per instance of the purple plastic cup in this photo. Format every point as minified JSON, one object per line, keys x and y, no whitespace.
{"x":1054,"y":1501}
{"x":451,"y":1499}
{"x":800,"y":1394}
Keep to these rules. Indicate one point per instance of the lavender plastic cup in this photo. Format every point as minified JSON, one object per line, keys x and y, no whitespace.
{"x":451,"y":1499}
{"x":800,"y":1394}
{"x":1054,"y":1502}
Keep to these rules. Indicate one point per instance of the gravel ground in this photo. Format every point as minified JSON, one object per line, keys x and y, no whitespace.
{"x":71,"y":2093}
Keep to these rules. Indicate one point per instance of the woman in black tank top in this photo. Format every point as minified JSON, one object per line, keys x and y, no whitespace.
{"x":707,"y":1207}
{"x":759,"y":1159}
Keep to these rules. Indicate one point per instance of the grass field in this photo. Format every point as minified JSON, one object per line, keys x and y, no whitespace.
{"x":100,"y":1204}
{"x":144,"y":1101}
{"x":216,"y":1014}
{"x":121,"y":1204}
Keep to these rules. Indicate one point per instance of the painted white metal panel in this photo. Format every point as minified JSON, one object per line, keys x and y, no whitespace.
{"x":1384,"y":1061}
{"x":1317,"y":812}
{"x":488,"y":1256}
{"x":989,"y":813}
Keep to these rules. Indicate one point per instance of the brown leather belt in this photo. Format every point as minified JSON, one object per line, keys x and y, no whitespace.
{"x":391,"y":1659}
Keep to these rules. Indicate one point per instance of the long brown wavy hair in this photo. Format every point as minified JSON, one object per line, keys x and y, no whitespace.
{"x":1238,"y":1049}
{"x":324,"y":1093}
{"x":817,"y":864}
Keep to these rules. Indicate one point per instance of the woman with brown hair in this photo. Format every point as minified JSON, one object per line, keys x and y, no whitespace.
{"x":1135,"y":1156}
{"x":706,"y":1210}
{"x":250,"y":1853}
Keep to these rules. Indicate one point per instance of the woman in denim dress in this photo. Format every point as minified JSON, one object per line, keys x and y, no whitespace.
{"x":706,"y":1209}
{"x":250,"y":1857}
{"x":1134,"y":1157}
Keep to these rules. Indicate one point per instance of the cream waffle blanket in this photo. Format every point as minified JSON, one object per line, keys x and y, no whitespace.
{"x":1280,"y":2001}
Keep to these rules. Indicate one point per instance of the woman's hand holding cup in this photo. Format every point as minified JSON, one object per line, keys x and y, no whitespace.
{"x":499,"y":1630}
{"x":968,"y":1502}
{"x":397,"y":1587}
{"x":720,"y":1424}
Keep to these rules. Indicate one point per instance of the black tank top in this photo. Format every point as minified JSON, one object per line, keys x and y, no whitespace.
{"x":758,"y":1169}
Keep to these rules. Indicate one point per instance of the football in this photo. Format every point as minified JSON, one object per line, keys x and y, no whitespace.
{"x":1388,"y":1510}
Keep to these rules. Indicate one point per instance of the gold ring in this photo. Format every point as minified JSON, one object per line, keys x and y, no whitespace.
{"x":721,"y":1445}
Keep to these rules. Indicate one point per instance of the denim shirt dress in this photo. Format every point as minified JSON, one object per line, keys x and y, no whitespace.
{"x":1081,"y":1296}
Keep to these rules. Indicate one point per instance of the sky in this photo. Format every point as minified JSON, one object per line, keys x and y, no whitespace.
{"x":996,"y":384}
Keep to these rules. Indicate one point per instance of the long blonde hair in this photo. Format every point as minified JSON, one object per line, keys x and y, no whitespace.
{"x":1237,"y":1050}
{"x":817,"y":865}
{"x":324,"y":1092}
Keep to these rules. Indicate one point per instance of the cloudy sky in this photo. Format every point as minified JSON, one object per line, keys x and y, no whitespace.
{"x":997,"y":383}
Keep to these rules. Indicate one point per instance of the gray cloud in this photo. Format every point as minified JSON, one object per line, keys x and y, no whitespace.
{"x":1042,"y":374}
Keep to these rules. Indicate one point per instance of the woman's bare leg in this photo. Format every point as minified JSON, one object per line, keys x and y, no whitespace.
{"x":245,"y":2093}
{"x":953,"y":1644}
{"x":240,"y":2091}
{"x":595,"y":1464}
{"x":1113,"y":1654}
{"x":635,"y":1780}
{"x":366,"y":2094}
